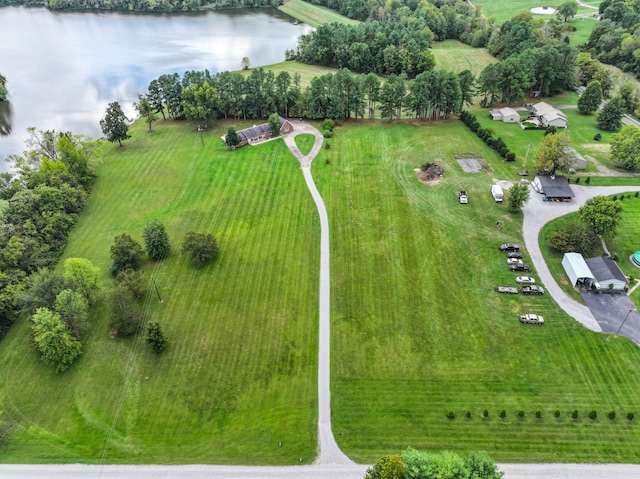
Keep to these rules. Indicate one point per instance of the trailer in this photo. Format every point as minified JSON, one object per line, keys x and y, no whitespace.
{"x":497,"y":193}
{"x":462,"y":197}
{"x":506,"y":290}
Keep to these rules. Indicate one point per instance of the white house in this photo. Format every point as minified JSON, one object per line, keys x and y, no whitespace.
{"x":548,"y":115}
{"x":507,"y":115}
{"x":577,"y":270}
{"x":607,"y":273}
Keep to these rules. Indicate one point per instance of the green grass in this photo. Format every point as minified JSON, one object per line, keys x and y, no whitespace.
{"x":313,"y":15}
{"x":306,"y":72}
{"x":502,"y":11}
{"x":455,"y":56}
{"x":584,"y":27}
{"x":417,"y":329}
{"x":305,"y":143}
{"x":239,"y":374}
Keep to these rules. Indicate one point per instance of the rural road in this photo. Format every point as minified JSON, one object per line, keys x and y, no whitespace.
{"x":332,"y":463}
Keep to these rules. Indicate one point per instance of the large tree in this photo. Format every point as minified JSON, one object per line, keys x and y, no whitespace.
{"x":53,"y":339}
{"x":553,"y":153}
{"x":114,"y":124}
{"x":517,"y":196}
{"x":567,"y":10}
{"x":200,"y":247}
{"x":590,"y":100}
{"x":601,"y":214}
{"x":156,"y":240}
{"x":610,"y":117}
{"x":146,"y":110}
{"x":42,"y":288}
{"x":126,"y":253}
{"x":82,"y":275}
{"x":73,"y":310}
{"x":200,"y":103}
{"x":625,"y":147}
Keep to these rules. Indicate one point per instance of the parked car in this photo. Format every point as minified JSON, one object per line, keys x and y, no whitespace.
{"x":514,"y":254}
{"x":531,"y":319}
{"x":514,"y":261}
{"x":509,"y":247}
{"x":519,"y":267}
{"x":525,"y":280}
{"x":532,"y":289}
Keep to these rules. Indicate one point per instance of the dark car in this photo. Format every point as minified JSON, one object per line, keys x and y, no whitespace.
{"x":515,"y":255}
{"x":509,"y":247}
{"x":519,"y":267}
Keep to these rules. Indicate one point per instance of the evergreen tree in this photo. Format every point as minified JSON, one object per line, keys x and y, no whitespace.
{"x":590,"y":100}
{"x":231,"y":139}
{"x":156,"y":240}
{"x":610,"y":117}
{"x":114,"y":124}
{"x":156,"y":338}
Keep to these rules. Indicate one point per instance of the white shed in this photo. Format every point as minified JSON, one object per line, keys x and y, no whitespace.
{"x":577,"y":270}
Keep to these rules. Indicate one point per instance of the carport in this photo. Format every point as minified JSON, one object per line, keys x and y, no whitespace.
{"x":577,"y":270}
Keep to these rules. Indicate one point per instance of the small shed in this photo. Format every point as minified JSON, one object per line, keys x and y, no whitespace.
{"x":579,"y":162}
{"x":553,"y":187}
{"x":577,"y":270}
{"x":607,"y":273}
{"x":507,"y":115}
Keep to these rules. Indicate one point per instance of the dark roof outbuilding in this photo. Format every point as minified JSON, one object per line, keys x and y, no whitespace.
{"x":605,"y":269}
{"x":556,"y":187}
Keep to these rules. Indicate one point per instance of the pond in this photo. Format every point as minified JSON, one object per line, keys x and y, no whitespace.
{"x":63,"y":69}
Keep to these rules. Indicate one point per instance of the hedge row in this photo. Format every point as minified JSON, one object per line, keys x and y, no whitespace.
{"x":485,"y":135}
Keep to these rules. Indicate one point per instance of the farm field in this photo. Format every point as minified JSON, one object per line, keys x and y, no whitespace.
{"x":313,"y":15}
{"x":239,"y":375}
{"x":455,"y":56}
{"x":418,"y":332}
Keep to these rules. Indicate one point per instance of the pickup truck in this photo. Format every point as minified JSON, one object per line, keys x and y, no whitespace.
{"x":532,"y":290}
{"x":531,"y":319}
{"x":519,"y":267}
{"x":462,"y":197}
{"x":506,"y":290}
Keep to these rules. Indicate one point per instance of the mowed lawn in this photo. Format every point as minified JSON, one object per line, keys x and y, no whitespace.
{"x":455,"y":56}
{"x":238,"y":381}
{"x":417,"y":330}
{"x":314,"y":15}
{"x":502,"y":11}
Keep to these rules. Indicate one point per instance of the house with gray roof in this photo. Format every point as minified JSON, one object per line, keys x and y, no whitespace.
{"x":607,"y":273}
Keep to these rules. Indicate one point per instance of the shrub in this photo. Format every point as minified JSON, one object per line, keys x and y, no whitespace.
{"x":126,"y":253}
{"x":574,"y":414}
{"x":327,"y":133}
{"x":327,"y":146}
{"x":577,"y":180}
{"x":328,"y":125}
{"x":467,"y":414}
{"x":593,"y":415}
{"x":156,"y":240}
{"x":510,"y":156}
{"x":156,"y":338}
{"x":520,"y":413}
{"x":550,"y":130}
{"x":637,"y":193}
{"x":451,"y":414}
{"x":575,"y":236}
{"x":538,"y":413}
{"x":200,"y":247}
{"x":598,"y":137}
{"x":615,"y":197}
{"x":612,"y":415}
{"x":485,"y":413}
{"x":503,"y":413}
{"x":588,"y":180}
{"x":556,"y":413}
{"x":630,"y":416}
{"x":126,"y":319}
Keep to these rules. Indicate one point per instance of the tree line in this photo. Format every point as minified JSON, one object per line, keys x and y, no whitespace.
{"x":3,"y":88}
{"x":144,"y":5}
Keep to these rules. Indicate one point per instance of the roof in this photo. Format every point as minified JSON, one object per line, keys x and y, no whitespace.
{"x":555,"y":186}
{"x":506,"y":111}
{"x":578,"y":265}
{"x":553,"y":115}
{"x":605,"y":269}
{"x":255,"y":131}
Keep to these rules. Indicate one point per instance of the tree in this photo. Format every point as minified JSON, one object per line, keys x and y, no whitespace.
{"x":245,"y":64}
{"x":146,"y":110}
{"x":114,"y":124}
{"x":126,"y":253}
{"x":73,"y":310}
{"x":601,"y":214}
{"x":200,"y":247}
{"x":575,"y":236}
{"x":590,"y":100}
{"x":231,"y":139}
{"x":52,"y":338}
{"x":467,"y":87}
{"x":630,"y":97}
{"x":274,"y":124}
{"x":126,"y":319}
{"x":3,"y":88}
{"x":156,"y":338}
{"x":517,"y":196}
{"x":200,"y":103}
{"x":553,"y":153}
{"x":625,"y":147}
{"x":388,"y":467}
{"x":42,"y":289}
{"x":610,"y":117}
{"x":156,"y":240}
{"x":567,"y":10}
{"x":83,"y":276}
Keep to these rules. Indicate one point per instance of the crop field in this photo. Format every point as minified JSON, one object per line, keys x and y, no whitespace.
{"x":313,"y":15}
{"x":418,"y":331}
{"x":238,"y":381}
{"x":455,"y":56}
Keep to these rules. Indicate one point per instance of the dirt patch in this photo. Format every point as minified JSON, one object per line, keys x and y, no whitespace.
{"x":601,"y":147}
{"x":470,"y":165}
{"x":429,"y":173}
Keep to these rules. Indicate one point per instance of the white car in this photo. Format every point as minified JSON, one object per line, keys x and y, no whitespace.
{"x":525,"y":280}
{"x":514,"y":261}
{"x":531,"y":319}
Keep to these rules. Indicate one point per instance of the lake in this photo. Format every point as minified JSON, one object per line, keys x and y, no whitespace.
{"x":63,"y":68}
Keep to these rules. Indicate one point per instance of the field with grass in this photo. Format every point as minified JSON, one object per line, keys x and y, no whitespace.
{"x":502,"y":11}
{"x":418,"y":331}
{"x":455,"y":56}
{"x":238,"y":381}
{"x":306,"y":72}
{"x":313,"y":15}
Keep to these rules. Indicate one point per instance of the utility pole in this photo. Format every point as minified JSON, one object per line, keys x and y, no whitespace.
{"x":200,"y":132}
{"x":156,"y":288}
{"x":526,"y":155}
{"x":625,"y":318}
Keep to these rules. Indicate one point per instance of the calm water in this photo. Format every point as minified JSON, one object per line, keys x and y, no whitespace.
{"x":64,"y":68}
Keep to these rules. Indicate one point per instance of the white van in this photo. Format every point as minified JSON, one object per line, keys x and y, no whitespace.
{"x":497,"y":193}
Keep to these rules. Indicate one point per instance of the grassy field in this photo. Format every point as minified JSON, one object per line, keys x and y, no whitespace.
{"x":456,"y":56}
{"x":418,"y":331}
{"x":313,"y":15}
{"x":502,"y":11}
{"x":238,"y":382}
{"x":306,"y":72}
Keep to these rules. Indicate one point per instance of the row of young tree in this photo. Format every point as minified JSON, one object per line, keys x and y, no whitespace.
{"x":144,"y":5}
{"x":41,"y":197}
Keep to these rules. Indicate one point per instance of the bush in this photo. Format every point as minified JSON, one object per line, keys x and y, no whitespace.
{"x":577,"y":180}
{"x":156,"y":338}
{"x":630,"y":416}
{"x":503,"y":413}
{"x":510,"y":156}
{"x":588,"y":180}
{"x":598,"y":137}
{"x":467,"y":414}
{"x":156,"y":240}
{"x":556,"y":413}
{"x":328,"y":125}
{"x":485,"y":413}
{"x":615,"y":197}
{"x":574,"y":237}
{"x":451,"y":414}
{"x":327,"y":146}
{"x":538,"y":413}
{"x":126,"y":319}
{"x":574,"y":414}
{"x":126,"y":253}
{"x":200,"y":247}
{"x":593,"y":415}
{"x":636,"y":194}
{"x":327,"y":133}
{"x":520,"y":413}
{"x":612,"y":415}
{"x":550,"y":130}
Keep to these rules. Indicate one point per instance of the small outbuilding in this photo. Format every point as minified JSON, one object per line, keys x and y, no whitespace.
{"x":579,"y":162}
{"x":554,"y":188}
{"x":507,"y":115}
{"x":577,"y":270}
{"x":607,"y":273}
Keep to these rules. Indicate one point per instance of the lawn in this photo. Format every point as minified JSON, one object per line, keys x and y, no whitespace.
{"x":417,"y":330}
{"x":502,"y":11}
{"x":313,"y":15}
{"x":306,"y":72}
{"x":455,"y":56}
{"x":238,"y":382}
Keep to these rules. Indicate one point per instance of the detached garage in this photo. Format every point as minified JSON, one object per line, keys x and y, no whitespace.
{"x":577,"y":270}
{"x":607,"y":273}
